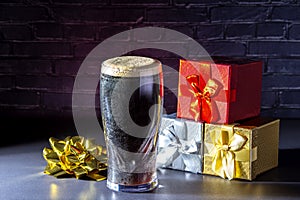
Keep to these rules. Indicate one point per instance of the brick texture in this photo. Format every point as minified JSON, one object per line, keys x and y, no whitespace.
{"x":291,"y":13}
{"x":37,"y":49}
{"x":274,"y":48}
{"x":5,"y":48}
{"x":48,"y":30}
{"x":278,"y":81}
{"x":45,"y":83}
{"x":177,"y":15}
{"x":16,"y":32}
{"x":43,"y":43}
{"x":240,"y":31}
{"x":269,"y":30}
{"x":25,"y":67}
{"x":23,"y":13}
{"x":210,"y":31}
{"x":294,"y":32}
{"x":239,"y":13}
{"x":19,"y":98}
{"x":139,"y":2}
{"x":277,"y":65}
{"x":218,"y":48}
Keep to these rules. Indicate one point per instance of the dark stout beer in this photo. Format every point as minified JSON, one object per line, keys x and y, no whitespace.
{"x":131,"y":106}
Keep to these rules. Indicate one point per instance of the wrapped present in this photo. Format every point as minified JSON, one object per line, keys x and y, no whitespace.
{"x":180,"y":144}
{"x":225,"y":91}
{"x":241,"y":151}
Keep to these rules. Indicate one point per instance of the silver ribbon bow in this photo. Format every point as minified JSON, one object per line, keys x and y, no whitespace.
{"x":171,"y":148}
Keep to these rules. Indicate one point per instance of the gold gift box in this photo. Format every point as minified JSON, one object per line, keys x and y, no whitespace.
{"x":241,"y":151}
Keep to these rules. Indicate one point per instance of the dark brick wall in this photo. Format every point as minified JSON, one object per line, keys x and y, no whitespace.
{"x":42,"y":44}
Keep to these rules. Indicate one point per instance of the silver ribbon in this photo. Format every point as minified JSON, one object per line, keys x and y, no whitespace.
{"x":177,"y":153}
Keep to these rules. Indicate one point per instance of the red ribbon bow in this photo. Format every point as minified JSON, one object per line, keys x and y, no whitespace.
{"x":203,"y":93}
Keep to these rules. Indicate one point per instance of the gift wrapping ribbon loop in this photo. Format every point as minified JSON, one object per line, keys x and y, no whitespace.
{"x":229,"y":149}
{"x":75,"y":156}
{"x":203,"y":95}
{"x":172,"y":146}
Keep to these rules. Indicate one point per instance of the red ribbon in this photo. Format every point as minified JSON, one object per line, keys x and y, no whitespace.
{"x":206,"y":109}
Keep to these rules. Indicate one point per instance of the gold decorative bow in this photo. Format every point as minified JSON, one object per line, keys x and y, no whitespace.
{"x":229,"y":149}
{"x":75,"y":156}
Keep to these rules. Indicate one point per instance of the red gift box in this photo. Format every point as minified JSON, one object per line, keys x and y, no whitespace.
{"x":223,"y":92}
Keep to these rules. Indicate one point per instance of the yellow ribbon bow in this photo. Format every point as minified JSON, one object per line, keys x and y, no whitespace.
{"x":229,"y":148}
{"x":75,"y":156}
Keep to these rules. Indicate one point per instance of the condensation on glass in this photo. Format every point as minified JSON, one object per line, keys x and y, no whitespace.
{"x":131,"y":96}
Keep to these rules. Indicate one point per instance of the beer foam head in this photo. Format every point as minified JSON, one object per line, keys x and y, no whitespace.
{"x":131,"y":66}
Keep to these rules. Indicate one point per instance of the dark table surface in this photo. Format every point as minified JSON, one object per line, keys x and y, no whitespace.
{"x":22,"y":177}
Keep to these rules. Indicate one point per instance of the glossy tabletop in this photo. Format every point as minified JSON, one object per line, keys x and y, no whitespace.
{"x":22,"y":177}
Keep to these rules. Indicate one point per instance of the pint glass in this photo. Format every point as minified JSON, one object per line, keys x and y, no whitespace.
{"x":131,"y":96}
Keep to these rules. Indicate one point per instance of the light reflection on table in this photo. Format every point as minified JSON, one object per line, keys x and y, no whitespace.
{"x":22,"y":177}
